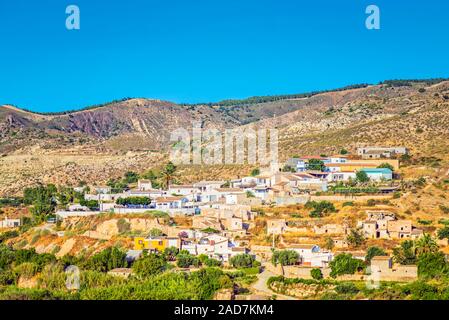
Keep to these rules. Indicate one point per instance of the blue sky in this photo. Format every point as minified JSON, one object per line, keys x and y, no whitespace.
{"x":209,"y":50}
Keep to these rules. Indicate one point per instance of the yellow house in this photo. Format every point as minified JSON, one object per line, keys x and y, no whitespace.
{"x":156,"y":243}
{"x":141,"y":243}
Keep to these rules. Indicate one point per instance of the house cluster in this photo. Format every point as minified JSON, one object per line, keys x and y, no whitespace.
{"x":342,"y":168}
{"x":384,"y":225}
{"x":195,"y":242}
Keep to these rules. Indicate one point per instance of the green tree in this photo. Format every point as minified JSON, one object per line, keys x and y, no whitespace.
{"x":185,"y":260}
{"x":432,"y":265}
{"x":315,"y":164}
{"x":405,"y":253}
{"x":150,"y":175}
{"x":361,"y":176}
{"x":284,"y":257}
{"x":168,"y":174}
{"x":243,"y":260}
{"x":373,"y":252}
{"x":345,"y":264}
{"x":255,"y":172}
{"x":355,"y":238}
{"x":426,"y":244}
{"x":443,"y":233}
{"x":316,"y":274}
{"x":131,"y":177}
{"x":155,"y":232}
{"x":149,"y":266}
{"x":319,"y":209}
{"x":107,"y":260}
{"x":343,"y":151}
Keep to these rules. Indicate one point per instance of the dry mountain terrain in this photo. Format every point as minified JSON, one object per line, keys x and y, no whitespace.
{"x":101,"y":142}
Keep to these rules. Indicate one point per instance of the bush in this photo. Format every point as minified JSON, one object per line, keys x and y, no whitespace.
{"x":316,"y":274}
{"x":107,"y":260}
{"x":149,"y":266}
{"x":373,"y":252}
{"x":432,"y":265}
{"x":345,"y":264}
{"x":346,"y":288}
{"x":243,"y":260}
{"x":284,"y":257}
{"x":319,"y":209}
{"x":355,"y":238}
{"x":185,"y":260}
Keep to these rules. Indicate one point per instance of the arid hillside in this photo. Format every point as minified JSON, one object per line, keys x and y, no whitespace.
{"x":103,"y":142}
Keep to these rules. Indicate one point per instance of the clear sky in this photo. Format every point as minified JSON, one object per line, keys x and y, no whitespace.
{"x":208,"y":50}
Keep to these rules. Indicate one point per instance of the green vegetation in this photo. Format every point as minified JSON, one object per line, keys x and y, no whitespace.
{"x":315,"y":164}
{"x":255,"y":172}
{"x":316,"y":274}
{"x":142,"y":201}
{"x":362,"y":177}
{"x":319,"y":209}
{"x":373,"y":252}
{"x":405,"y":253}
{"x":345,"y":264}
{"x":152,"y":277}
{"x":244,"y":260}
{"x":355,"y":238}
{"x":284,"y":257}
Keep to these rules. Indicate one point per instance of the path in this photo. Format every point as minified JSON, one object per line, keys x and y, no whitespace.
{"x":261,"y":285}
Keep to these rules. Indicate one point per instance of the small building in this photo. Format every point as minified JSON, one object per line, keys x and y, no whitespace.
{"x":276,"y":226}
{"x":378,"y":174}
{"x":382,"y":269}
{"x":381,"y":152}
{"x":10,"y":223}
{"x":144,"y":185}
{"x":311,"y":255}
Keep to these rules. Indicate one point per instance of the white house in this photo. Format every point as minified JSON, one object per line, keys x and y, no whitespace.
{"x":10,"y":223}
{"x":208,"y":185}
{"x":189,"y":191}
{"x":312,"y":255}
{"x":144,"y":185}
{"x":167,"y":203}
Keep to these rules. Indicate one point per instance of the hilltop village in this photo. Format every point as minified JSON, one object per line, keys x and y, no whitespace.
{"x":315,"y":218}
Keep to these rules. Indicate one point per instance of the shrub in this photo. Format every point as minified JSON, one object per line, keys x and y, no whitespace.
{"x":316,"y":274}
{"x":284,"y":257}
{"x":373,"y":252}
{"x":149,"y":266}
{"x":432,"y":265}
{"x":185,"y":260}
{"x":123,"y":225}
{"x":346,"y":288}
{"x":345,"y":264}
{"x":319,"y":209}
{"x":243,"y":260}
